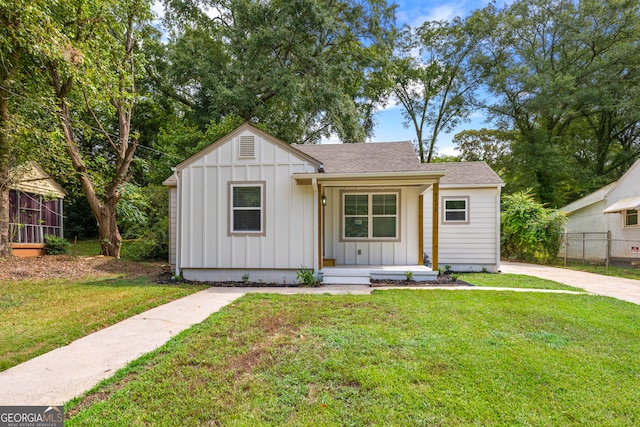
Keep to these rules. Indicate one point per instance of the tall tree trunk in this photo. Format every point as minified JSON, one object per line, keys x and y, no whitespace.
{"x":105,"y":212}
{"x":4,"y":170}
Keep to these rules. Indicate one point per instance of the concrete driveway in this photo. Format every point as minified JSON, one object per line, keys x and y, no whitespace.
{"x":623,"y":289}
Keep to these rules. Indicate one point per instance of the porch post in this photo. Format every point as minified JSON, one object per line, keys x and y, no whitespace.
{"x":420,"y":229}
{"x":435,"y":220}
{"x":320,"y":229}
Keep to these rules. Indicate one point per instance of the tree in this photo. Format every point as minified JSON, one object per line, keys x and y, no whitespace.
{"x":98,"y":79}
{"x":431,"y":79}
{"x":27,"y":36}
{"x":488,"y":145}
{"x":557,"y":71}
{"x":301,"y":67}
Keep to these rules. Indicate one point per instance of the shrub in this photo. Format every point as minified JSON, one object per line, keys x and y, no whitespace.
{"x":55,"y":245}
{"x":308,"y":277}
{"x":147,"y":223}
{"x":530,"y":231}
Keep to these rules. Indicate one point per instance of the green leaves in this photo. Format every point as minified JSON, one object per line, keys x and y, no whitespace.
{"x":299,"y":67}
{"x":529,"y":230}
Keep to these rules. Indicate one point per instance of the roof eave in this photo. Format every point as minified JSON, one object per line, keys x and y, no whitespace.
{"x":395,"y":177}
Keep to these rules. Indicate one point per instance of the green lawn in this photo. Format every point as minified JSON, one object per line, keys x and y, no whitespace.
{"x":39,"y":316}
{"x":394,"y":358}
{"x":506,"y":280}
{"x":624,"y":272}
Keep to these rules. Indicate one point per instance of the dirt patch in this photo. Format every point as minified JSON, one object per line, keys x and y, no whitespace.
{"x":73,"y":267}
{"x":442,"y":280}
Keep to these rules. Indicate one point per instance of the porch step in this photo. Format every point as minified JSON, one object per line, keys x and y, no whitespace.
{"x":362,"y":275}
{"x":340,"y":276}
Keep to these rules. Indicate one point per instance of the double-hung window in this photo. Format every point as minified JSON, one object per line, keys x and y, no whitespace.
{"x":246,"y":207}
{"x":455,"y":209}
{"x":372,"y":216}
{"x":630,"y":218}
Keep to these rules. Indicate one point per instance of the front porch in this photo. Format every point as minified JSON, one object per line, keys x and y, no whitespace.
{"x":363,"y":274}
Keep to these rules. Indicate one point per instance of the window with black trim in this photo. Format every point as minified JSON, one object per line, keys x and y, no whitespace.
{"x":456,"y":210}
{"x":631,"y":218}
{"x":370,"y":216}
{"x":247,"y":208}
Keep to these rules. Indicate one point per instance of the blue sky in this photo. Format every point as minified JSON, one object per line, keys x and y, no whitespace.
{"x":414,"y":12}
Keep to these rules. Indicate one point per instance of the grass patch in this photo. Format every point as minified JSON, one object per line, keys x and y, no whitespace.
{"x":623,"y":272}
{"x":85,"y":248}
{"x":394,"y":358}
{"x":506,"y":280}
{"x":37,"y":316}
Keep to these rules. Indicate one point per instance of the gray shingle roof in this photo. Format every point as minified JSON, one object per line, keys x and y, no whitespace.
{"x":465,"y":173}
{"x":364,"y":157}
{"x":395,"y":157}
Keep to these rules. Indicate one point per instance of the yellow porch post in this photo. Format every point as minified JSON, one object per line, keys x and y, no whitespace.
{"x":320,"y":229}
{"x":420,"y":229}
{"x":435,"y":220}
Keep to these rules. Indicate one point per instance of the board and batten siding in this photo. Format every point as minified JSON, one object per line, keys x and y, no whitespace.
{"x":401,"y":252}
{"x":173,"y":220}
{"x":470,"y":246}
{"x":208,"y":250}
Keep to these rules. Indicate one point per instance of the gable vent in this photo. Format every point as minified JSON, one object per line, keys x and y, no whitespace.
{"x":247,"y":147}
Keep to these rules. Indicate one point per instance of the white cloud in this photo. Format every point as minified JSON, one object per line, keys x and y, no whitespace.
{"x":158,"y":9}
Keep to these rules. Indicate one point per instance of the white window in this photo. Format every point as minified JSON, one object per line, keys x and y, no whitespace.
{"x":371,"y":216}
{"x":455,"y":209}
{"x":246,"y":207}
{"x":630,"y":218}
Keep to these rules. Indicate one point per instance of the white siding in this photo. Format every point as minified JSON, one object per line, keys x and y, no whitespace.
{"x":592,"y":219}
{"x":205,"y":243}
{"x":622,"y":239}
{"x":173,"y":220}
{"x":402,"y":252}
{"x":470,"y":246}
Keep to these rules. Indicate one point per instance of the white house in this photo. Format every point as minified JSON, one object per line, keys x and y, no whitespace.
{"x":608,"y":215}
{"x":252,"y":205}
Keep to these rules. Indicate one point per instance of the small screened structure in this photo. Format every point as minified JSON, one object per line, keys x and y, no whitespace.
{"x":35,"y":210}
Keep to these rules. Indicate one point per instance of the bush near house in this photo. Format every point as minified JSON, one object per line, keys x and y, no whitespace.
{"x":530,"y":231}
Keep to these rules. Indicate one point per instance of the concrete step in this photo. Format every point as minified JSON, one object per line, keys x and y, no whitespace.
{"x":346,"y":280}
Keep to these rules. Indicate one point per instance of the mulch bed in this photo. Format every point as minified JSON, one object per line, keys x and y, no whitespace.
{"x":444,"y":280}
{"x":74,"y":267}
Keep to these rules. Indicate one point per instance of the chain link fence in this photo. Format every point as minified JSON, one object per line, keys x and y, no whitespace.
{"x":598,"y":248}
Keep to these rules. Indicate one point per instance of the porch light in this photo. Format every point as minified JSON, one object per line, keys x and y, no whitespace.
{"x":324,"y":200}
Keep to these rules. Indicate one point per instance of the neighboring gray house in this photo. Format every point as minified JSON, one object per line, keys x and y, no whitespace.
{"x":250,"y":204}
{"x":608,"y":214}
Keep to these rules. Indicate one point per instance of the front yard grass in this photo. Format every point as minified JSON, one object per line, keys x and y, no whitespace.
{"x":37,"y":316}
{"x":507,"y":280}
{"x":612,"y":270}
{"x":394,"y":358}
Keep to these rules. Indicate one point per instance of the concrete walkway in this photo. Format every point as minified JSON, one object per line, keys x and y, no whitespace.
{"x":67,"y":372}
{"x":623,"y":289}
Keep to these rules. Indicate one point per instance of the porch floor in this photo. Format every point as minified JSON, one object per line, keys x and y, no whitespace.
{"x":362,"y":274}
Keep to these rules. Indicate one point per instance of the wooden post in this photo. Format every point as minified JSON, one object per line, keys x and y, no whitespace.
{"x":435,"y":219}
{"x":320,"y":228}
{"x":420,"y":229}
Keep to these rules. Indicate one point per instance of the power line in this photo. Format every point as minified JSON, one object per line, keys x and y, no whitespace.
{"x":93,"y":127}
